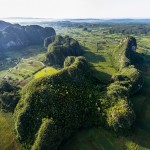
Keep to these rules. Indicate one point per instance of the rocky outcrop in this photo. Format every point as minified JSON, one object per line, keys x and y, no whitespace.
{"x":17,"y":36}
{"x":125,"y":54}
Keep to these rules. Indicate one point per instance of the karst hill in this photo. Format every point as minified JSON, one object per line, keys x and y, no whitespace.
{"x":59,"y":48}
{"x":15,"y":36}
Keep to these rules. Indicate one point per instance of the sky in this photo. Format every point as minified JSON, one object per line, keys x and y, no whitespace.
{"x":59,"y":9}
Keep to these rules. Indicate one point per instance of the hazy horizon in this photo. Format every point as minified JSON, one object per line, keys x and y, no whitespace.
{"x":16,"y":17}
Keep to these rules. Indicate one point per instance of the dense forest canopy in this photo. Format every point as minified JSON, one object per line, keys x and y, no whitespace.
{"x":125,"y":29}
{"x":59,"y":48}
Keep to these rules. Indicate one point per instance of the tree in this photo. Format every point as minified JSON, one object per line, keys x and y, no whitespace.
{"x":9,"y":96}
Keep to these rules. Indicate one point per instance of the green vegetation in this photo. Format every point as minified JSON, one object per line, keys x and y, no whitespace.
{"x":7,"y":138}
{"x":125,"y":54}
{"x":100,"y":138}
{"x":135,"y":29}
{"x":22,"y":64}
{"x":120,"y":116}
{"x":48,"y":136}
{"x":9,"y":96}
{"x":81,"y":105}
{"x":17,"y":36}
{"x":48,"y":93}
{"x":99,"y":60}
{"x":45,"y":72}
{"x":60,"y":49}
{"x":67,"y":97}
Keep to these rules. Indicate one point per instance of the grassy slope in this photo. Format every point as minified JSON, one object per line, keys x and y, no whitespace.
{"x":45,"y":72}
{"x":7,"y":141}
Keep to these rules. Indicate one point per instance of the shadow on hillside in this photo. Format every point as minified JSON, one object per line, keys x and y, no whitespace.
{"x":141,"y":133}
{"x":94,"y":58}
{"x":101,"y":76}
{"x":141,"y":104}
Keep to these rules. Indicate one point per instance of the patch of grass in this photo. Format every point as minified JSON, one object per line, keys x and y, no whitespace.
{"x":7,"y":136}
{"x":92,"y":139}
{"x":26,"y":66}
{"x":45,"y":72}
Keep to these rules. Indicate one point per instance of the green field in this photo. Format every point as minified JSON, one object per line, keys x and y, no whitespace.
{"x":29,"y":62}
{"x":45,"y":72}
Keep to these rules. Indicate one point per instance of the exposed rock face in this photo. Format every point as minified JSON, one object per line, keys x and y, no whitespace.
{"x":125,"y":54}
{"x":59,"y":48}
{"x":16,"y":36}
{"x":4,"y":24}
{"x":132,"y":44}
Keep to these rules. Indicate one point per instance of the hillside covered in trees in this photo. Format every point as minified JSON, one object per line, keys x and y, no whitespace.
{"x":59,"y":48}
{"x":15,"y":36}
{"x":57,"y":105}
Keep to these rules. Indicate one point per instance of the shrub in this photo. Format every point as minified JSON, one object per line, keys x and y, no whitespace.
{"x":68,"y":61}
{"x":120,"y":117}
{"x":117,"y":91}
{"x":9,"y":96}
{"x":136,"y":79}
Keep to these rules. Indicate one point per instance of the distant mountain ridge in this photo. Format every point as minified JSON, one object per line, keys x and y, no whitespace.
{"x":4,"y":24}
{"x":86,"y":20}
{"x":14,"y":36}
{"x":77,"y":20}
